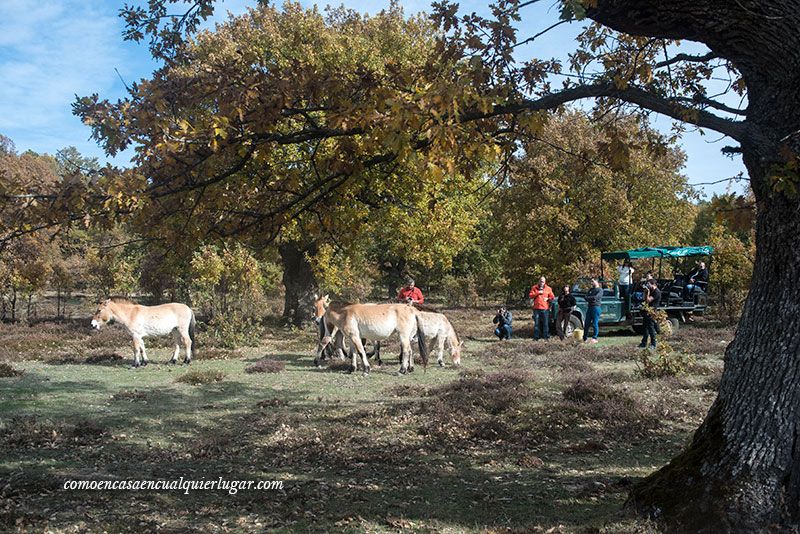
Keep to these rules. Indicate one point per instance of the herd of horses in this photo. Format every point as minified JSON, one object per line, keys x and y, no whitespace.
{"x":352,"y":324}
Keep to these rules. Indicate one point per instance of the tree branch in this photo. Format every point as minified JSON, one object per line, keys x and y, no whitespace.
{"x":685,"y":57}
{"x":631,"y":94}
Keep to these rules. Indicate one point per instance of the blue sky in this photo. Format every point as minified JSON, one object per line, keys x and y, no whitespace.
{"x":52,"y":50}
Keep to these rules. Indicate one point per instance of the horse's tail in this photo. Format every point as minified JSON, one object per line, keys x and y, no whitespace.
{"x":423,"y":346}
{"x":192,"y":325}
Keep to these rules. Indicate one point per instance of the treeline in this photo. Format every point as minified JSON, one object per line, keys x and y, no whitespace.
{"x":565,"y":197}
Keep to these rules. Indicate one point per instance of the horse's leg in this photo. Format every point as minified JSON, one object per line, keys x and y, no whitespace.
{"x":176,"y":337}
{"x":137,"y":342}
{"x":340,"y":345}
{"x":356,"y":341}
{"x":378,"y":353}
{"x":440,"y":349}
{"x":353,"y":356}
{"x":144,"y":352}
{"x":321,"y":344}
{"x":187,"y":344}
{"x":406,"y":358}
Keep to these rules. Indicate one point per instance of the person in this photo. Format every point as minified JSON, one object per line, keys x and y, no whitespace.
{"x":653,"y":299}
{"x":566,"y":305}
{"x":503,"y":320}
{"x":410,"y":293}
{"x":542,"y":296}
{"x":594,"y":299}
{"x":697,"y":278}
{"x":625,"y":279}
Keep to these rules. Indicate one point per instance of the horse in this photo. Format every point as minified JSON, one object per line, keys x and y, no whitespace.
{"x":374,"y":322}
{"x":438,"y":327}
{"x":142,"y":321}
{"x":439,"y":331}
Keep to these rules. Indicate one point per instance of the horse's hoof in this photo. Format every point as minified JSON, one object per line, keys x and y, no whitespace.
{"x":351,"y":370}
{"x":134,"y":365}
{"x":144,"y":363}
{"x":410,"y":369}
{"x":441,"y":363}
{"x":402,"y":371}
{"x":365,"y":373}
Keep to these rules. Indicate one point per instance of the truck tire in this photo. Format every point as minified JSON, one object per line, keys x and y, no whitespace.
{"x":574,"y":324}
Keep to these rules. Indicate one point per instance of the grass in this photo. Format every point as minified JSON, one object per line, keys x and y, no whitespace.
{"x":525,"y":436}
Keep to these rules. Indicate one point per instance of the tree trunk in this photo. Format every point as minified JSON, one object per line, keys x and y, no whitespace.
{"x":741,"y":471}
{"x":299,"y":282}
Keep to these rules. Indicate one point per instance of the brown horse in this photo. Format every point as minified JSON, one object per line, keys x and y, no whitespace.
{"x":374,"y":322}
{"x":142,"y":321}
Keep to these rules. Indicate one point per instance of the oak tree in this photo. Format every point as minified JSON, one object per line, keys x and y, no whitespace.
{"x":460,"y":99}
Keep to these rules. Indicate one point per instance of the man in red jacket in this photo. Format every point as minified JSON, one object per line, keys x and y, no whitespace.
{"x":410,"y":293}
{"x":542,"y":295}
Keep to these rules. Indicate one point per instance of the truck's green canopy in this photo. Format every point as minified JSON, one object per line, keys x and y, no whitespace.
{"x":657,"y":252}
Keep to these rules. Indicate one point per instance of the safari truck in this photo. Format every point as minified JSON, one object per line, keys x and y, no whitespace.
{"x":626,"y":313}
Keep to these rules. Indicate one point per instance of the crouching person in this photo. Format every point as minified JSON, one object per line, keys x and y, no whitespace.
{"x":503,"y":321}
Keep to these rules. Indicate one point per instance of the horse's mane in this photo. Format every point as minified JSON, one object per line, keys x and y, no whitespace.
{"x":121,"y":300}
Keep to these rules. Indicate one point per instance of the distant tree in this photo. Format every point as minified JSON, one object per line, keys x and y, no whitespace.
{"x":570,"y":197}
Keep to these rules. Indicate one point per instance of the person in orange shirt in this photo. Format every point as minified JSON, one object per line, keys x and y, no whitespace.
{"x":542,"y":296}
{"x":410,"y":293}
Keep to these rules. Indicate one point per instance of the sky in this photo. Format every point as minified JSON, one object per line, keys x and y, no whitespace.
{"x":53,"y":50}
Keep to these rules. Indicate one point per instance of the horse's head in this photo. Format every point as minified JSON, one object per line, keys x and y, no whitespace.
{"x":103,"y":314}
{"x":455,"y":353}
{"x":320,"y":307}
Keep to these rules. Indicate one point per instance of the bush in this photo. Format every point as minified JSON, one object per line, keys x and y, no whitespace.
{"x":595,"y":399}
{"x":664,"y":361}
{"x":233,"y":329}
{"x":266,"y":365}
{"x":7,"y":371}
{"x":197,"y":377}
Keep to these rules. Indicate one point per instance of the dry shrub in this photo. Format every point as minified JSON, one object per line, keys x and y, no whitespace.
{"x":211,"y":446}
{"x":214,"y":353}
{"x":272,"y":403}
{"x":196,"y":377}
{"x":477,"y":406}
{"x":7,"y":371}
{"x":33,"y":432}
{"x":586,"y":447}
{"x":568,"y":362}
{"x":494,"y":393}
{"x":695,"y":340}
{"x":405,"y":390}
{"x":130,"y":396}
{"x":664,"y":361}
{"x":596,"y":399}
{"x":266,"y":365}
